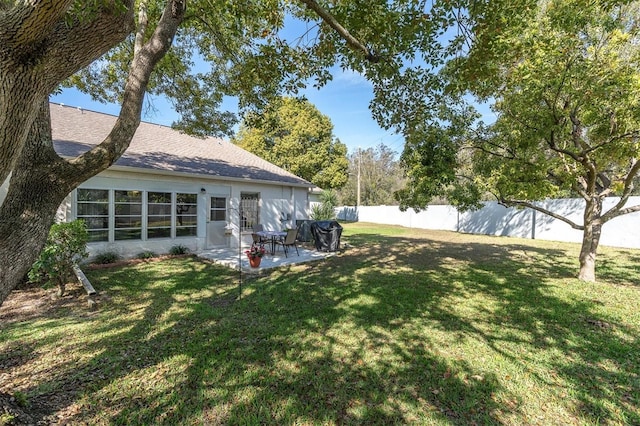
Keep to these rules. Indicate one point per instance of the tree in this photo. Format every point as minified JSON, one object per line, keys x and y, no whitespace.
{"x":564,"y":81}
{"x":43,"y":43}
{"x":294,"y":135}
{"x":119,"y":50}
{"x":380,"y":177}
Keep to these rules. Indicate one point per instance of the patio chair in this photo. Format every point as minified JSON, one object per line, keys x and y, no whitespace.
{"x":288,"y":241}
{"x":259,"y":228}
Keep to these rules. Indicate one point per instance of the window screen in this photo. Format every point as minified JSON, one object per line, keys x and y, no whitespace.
{"x":93,"y":208}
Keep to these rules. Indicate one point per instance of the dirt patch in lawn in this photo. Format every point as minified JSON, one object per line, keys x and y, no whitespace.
{"x":32,"y":301}
{"x":24,"y":304}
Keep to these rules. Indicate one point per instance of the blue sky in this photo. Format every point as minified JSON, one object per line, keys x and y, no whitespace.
{"x":344,"y":100}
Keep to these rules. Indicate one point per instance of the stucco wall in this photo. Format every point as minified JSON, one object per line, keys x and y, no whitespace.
{"x":494,"y":219}
{"x":279,"y":207}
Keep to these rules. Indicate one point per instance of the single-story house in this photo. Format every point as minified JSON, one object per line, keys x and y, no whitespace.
{"x":172,"y":189}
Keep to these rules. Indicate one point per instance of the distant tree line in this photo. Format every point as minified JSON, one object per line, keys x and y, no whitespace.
{"x":380,"y":176}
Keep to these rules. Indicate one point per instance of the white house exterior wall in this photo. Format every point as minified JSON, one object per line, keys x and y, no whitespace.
{"x":279,"y":206}
{"x":159,"y":159}
{"x":301,"y":204}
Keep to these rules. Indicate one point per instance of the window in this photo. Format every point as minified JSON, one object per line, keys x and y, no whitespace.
{"x":128,"y":215}
{"x":93,"y":208}
{"x":249,"y":211}
{"x":159,"y":215}
{"x":121,"y":212}
{"x":218,"y":209}
{"x":186,"y":215}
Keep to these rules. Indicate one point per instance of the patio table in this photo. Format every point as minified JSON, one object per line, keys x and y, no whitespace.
{"x":272,"y":236}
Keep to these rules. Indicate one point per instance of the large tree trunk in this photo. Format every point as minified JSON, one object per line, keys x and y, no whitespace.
{"x":40,"y":179}
{"x":39,"y":50}
{"x":26,"y":219}
{"x":36,"y":189}
{"x":590,"y":239}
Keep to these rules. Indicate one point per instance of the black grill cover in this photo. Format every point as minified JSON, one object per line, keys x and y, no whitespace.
{"x":326,"y":234}
{"x":304,"y":230}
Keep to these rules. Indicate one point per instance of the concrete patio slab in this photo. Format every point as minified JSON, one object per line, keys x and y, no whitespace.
{"x":229,"y":257}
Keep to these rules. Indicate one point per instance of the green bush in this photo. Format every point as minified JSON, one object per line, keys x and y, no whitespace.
{"x":21,"y":399}
{"x":148,"y":254}
{"x":326,"y":209}
{"x":106,"y":257}
{"x":179,"y":249}
{"x":320,"y":212}
{"x":65,"y":246}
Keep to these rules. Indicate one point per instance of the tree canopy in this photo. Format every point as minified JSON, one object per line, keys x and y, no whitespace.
{"x":294,"y":135}
{"x":259,"y":50}
{"x":563,"y":79}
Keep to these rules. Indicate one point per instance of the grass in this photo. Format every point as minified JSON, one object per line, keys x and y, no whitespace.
{"x":403,"y":327}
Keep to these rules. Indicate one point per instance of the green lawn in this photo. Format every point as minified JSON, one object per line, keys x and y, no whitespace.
{"x":403,"y":327}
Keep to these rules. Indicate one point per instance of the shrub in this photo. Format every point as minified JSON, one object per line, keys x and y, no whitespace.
{"x":326,"y":209}
{"x":106,"y":257}
{"x":148,"y":254}
{"x":65,"y":246}
{"x":21,"y":399}
{"x":179,"y":249}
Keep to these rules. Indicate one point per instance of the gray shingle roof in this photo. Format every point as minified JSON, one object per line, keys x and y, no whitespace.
{"x":156,"y":147}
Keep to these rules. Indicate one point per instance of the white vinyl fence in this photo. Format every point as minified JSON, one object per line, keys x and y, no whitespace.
{"x":494,"y":219}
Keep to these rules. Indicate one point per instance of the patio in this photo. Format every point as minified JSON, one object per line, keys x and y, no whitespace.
{"x":229,"y":257}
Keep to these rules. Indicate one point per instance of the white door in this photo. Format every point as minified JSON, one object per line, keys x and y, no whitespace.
{"x":216,"y":221}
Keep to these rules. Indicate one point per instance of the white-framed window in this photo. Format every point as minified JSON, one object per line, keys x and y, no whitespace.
{"x":186,"y":215}
{"x":128,"y":215}
{"x":159,"y":208}
{"x":218,"y":209}
{"x":249,"y":210}
{"x":121,"y":212}
{"x":93,"y":208}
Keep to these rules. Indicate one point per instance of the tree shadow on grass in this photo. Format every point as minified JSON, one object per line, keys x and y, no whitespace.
{"x":608,"y":267}
{"x":343,"y":341}
{"x":594,"y":354}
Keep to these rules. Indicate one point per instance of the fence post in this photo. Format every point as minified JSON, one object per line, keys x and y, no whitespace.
{"x":533,"y":224}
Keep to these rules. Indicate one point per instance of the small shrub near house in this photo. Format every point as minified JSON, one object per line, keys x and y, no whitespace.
{"x":146,"y":255}
{"x":65,"y":246}
{"x":177,"y":250}
{"x":326,"y":209}
{"x":106,"y":257}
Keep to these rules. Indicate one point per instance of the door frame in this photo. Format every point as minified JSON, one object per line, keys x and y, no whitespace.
{"x":221,"y":239}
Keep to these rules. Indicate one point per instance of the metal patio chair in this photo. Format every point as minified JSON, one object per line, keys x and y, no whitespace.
{"x":288,"y":241}
{"x":259,"y":228}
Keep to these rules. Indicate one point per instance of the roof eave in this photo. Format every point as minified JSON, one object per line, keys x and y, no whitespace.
{"x":206,"y":177}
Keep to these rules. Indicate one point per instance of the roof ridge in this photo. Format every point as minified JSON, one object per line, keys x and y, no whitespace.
{"x":83,"y":109}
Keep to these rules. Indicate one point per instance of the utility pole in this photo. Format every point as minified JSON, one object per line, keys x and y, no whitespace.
{"x":358,"y":184}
